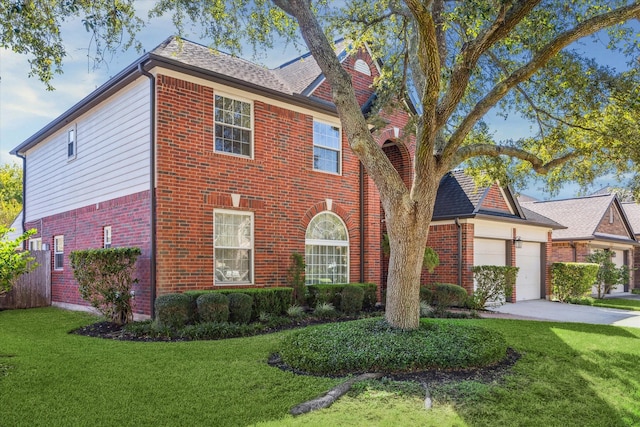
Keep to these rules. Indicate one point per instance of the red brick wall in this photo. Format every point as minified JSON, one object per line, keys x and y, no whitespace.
{"x":617,"y":227}
{"x":494,"y":199}
{"x":278,"y":185}
{"x":83,"y":229}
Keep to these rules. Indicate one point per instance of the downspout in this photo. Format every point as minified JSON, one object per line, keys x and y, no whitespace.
{"x":152,"y":187}
{"x":24,"y":197}
{"x":575,"y":250}
{"x":361,"y":223}
{"x":457,"y":221}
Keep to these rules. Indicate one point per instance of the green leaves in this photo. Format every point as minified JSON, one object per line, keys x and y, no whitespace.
{"x":13,"y":262}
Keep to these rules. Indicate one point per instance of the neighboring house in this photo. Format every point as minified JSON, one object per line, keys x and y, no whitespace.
{"x":592,"y":223}
{"x":486,"y":226}
{"x":16,"y":225}
{"x":632,"y":210}
{"x":217,"y":168}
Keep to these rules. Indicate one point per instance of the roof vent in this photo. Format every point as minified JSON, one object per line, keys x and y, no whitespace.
{"x":362,"y":67}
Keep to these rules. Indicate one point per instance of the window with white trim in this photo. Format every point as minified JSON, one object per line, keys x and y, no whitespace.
{"x":58,"y":252}
{"x":233,"y":126}
{"x":327,"y":149}
{"x":72,"y":144}
{"x":35,"y":244}
{"x":106,"y":237}
{"x":326,"y":250}
{"x":233,"y":247}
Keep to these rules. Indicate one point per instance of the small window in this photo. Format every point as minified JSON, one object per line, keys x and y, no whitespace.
{"x":327,"y":148}
{"x":58,"y":252}
{"x":233,"y":133}
{"x":233,"y":242}
{"x":106,"y":233}
{"x":35,"y":244}
{"x":71,"y":143}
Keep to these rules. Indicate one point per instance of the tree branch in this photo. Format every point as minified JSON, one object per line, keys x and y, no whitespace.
{"x":583,"y":29}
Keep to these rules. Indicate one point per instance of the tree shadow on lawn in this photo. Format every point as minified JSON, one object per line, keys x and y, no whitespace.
{"x":570,"y":374}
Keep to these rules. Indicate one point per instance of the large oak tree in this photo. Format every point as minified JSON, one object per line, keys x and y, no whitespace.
{"x":459,"y":61}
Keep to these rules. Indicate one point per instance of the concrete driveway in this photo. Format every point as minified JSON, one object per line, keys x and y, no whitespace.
{"x":559,"y":312}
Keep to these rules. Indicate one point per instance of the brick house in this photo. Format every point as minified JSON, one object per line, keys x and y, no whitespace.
{"x":597,"y":222}
{"x":220,"y":169}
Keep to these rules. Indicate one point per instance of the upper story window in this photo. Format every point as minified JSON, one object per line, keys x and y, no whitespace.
{"x":72,"y":144}
{"x":106,"y":233}
{"x":233,"y":126}
{"x":327,"y":149}
{"x":58,"y":252}
{"x":233,"y":243}
{"x":35,"y":244}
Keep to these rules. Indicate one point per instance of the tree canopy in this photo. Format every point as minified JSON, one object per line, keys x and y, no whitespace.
{"x":458,"y":60}
{"x":10,"y":192}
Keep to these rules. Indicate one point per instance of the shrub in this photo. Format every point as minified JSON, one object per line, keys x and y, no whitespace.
{"x":213,"y":307}
{"x":325,"y":310}
{"x":295,"y":311}
{"x":570,"y":280}
{"x":447,"y":295}
{"x":425,"y":309}
{"x":494,"y":283}
{"x":319,"y":294}
{"x":240,"y":308}
{"x":295,"y":277}
{"x":351,"y":299}
{"x":608,"y":274}
{"x":371,"y":345}
{"x":635,"y":291}
{"x":13,"y":263}
{"x":173,"y":310}
{"x":274,"y":301}
{"x":580,"y":300}
{"x":105,"y":278}
{"x":426,"y":294}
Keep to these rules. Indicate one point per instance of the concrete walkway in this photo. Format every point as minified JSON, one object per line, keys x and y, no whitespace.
{"x":559,"y":312}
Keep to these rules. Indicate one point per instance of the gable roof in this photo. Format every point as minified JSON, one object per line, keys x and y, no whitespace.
{"x":632,"y":210}
{"x":581,"y":216}
{"x":459,"y":197}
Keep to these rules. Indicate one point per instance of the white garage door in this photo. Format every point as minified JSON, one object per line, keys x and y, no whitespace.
{"x":529,"y":278}
{"x":489,"y":252}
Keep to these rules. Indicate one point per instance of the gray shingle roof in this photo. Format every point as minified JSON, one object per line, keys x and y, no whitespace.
{"x":203,"y":57}
{"x":632,"y":210}
{"x":581,"y":215}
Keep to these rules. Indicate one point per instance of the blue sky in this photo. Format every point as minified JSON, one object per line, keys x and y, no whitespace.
{"x":26,"y":106}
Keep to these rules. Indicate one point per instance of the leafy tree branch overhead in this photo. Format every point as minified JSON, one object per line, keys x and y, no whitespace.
{"x":458,"y":60}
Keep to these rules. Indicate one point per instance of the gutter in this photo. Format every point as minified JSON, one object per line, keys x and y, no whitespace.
{"x":152,"y":186}
{"x":457,"y":222}
{"x":361,"y":223}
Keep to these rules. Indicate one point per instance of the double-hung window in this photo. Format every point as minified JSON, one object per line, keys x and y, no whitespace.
{"x":327,"y":148}
{"x":35,"y":244}
{"x":233,"y":126}
{"x":106,"y":236}
{"x":58,"y":252}
{"x":233,"y":243}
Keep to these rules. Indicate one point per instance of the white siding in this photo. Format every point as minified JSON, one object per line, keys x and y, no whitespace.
{"x":112,"y":157}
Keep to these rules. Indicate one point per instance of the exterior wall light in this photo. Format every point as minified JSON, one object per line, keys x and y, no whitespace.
{"x":517,"y":242}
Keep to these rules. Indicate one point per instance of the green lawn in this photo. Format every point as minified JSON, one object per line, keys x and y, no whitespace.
{"x":624,"y":304}
{"x":568,"y":375}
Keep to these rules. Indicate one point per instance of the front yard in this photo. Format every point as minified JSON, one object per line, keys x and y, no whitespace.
{"x":568,"y":374}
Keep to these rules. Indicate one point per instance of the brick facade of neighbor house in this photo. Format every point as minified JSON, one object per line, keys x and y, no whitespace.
{"x":83,"y":228}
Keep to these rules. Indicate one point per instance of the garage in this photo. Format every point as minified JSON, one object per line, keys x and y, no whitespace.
{"x":489,"y":252}
{"x":529,"y":275}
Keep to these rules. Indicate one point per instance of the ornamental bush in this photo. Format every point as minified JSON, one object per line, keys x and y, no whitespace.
{"x":273,"y":301}
{"x":240,"y":308}
{"x":351,"y":299}
{"x":332,"y":294}
{"x":572,"y":280}
{"x":371,"y":345}
{"x":105,"y":279}
{"x":213,"y":307}
{"x":494,"y":283}
{"x":173,"y":310}
{"x":447,"y":295}
{"x":609,"y":275}
{"x":13,"y":263}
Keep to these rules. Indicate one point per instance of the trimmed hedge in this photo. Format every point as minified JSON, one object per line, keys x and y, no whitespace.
{"x":573,"y":280}
{"x":448,"y":295}
{"x":273,"y":301}
{"x":351,"y":299}
{"x":213,"y":307}
{"x":240,"y":308}
{"x":320,"y":294}
{"x":173,"y":310}
{"x":426,"y":294}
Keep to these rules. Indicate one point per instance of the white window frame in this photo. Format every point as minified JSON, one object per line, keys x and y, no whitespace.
{"x":35,"y":244}
{"x":229,"y":279}
{"x":72,"y":142}
{"x":329,"y":244}
{"x":251,"y":129}
{"x":317,"y":144}
{"x":106,"y":237}
{"x":58,"y":250}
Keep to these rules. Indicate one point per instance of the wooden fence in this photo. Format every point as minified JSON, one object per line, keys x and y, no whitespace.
{"x":34,"y":288}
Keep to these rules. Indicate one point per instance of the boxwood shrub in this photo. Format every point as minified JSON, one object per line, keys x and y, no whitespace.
{"x":213,"y":307}
{"x":371,"y":345}
{"x":448,"y":295}
{"x":240,"y":308}
{"x":274,"y":301}
{"x":320,"y":294}
{"x":351,"y":299}
{"x":173,"y":310}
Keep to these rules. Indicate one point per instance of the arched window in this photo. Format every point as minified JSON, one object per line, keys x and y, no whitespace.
{"x":326,"y":250}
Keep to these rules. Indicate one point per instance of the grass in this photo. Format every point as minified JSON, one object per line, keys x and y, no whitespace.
{"x":623,"y":304}
{"x":569,"y":374}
